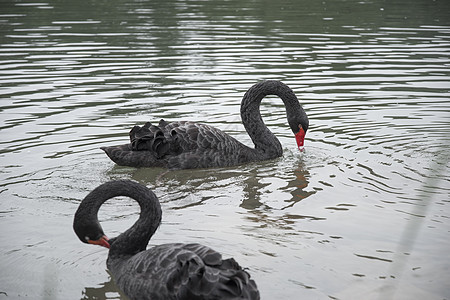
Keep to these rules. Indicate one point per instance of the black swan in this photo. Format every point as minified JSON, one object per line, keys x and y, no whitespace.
{"x":188,"y":145}
{"x":168,"y":271}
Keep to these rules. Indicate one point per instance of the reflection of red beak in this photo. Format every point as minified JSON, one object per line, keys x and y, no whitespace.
{"x":103,"y":241}
{"x":300,"y":137}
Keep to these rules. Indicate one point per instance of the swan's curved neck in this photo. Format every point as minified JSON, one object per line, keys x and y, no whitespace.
{"x":136,"y":238}
{"x":265,"y":141}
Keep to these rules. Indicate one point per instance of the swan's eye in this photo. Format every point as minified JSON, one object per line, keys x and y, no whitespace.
{"x":87,"y":239}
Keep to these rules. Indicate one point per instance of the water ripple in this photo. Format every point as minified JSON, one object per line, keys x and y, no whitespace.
{"x":376,"y":93}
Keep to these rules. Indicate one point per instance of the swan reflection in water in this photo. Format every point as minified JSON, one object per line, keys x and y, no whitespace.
{"x":254,"y":186}
{"x":106,"y":291}
{"x":197,"y":187}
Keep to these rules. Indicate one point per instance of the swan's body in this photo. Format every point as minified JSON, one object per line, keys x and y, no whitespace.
{"x":187,"y":145}
{"x":168,"y":271}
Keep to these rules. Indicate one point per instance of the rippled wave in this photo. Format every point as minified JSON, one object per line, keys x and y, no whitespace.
{"x":373,"y":78}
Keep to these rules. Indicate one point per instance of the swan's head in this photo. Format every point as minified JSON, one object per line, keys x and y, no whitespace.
{"x":90,"y":232}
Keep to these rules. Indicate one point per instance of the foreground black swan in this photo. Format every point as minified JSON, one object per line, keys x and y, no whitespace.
{"x":187,"y":145}
{"x":168,"y":271}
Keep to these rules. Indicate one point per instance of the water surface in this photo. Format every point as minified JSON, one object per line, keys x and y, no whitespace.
{"x":362,"y":213}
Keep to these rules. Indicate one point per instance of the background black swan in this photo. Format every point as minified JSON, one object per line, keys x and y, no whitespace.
{"x":187,"y":145}
{"x":169,"y":271}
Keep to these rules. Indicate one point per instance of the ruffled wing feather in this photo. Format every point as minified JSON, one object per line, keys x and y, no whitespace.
{"x":179,"y":145}
{"x":183,"y":271}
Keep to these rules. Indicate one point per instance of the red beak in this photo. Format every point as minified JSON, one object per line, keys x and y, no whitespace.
{"x":300,"y":137}
{"x":103,"y":241}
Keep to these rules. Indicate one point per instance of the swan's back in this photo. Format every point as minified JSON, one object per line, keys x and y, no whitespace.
{"x":181,"y":271}
{"x":184,"y":145}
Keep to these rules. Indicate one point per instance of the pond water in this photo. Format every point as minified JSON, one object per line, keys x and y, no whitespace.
{"x":363,"y":213}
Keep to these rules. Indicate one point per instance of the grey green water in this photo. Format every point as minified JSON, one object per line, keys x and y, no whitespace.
{"x":363,"y":213}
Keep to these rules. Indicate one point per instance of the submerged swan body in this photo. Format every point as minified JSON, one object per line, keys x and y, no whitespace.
{"x":169,"y":271}
{"x":188,"y":145}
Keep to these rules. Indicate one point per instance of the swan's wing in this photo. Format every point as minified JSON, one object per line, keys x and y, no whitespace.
{"x":216,"y":278}
{"x":148,"y":146}
{"x":151,"y":138}
{"x":198,"y":136}
{"x":204,"y":146}
{"x":184,"y":271}
{"x":179,"y":145}
{"x":187,"y":145}
{"x":171,"y":139}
